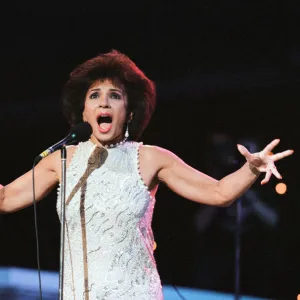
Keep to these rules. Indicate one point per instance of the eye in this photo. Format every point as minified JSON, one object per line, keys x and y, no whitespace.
{"x":115,"y":96}
{"x":94,"y":95}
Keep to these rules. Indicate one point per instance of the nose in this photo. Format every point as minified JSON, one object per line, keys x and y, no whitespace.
{"x":104,"y":101}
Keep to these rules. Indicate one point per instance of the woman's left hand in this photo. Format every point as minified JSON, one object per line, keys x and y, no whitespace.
{"x":263,"y":161}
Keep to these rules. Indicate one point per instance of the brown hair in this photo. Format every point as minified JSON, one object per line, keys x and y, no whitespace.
{"x":118,"y":68}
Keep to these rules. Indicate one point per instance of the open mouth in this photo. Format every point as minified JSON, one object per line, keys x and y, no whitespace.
{"x":104,"y":122}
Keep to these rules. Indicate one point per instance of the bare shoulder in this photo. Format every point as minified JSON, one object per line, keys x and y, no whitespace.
{"x":53,"y":161}
{"x":156,"y":156}
{"x":154,"y":161}
{"x":55,"y":157}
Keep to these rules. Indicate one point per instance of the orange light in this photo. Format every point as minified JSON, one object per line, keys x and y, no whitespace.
{"x":281,"y":188}
{"x":154,"y":246}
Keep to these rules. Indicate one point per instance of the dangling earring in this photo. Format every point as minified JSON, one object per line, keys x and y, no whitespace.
{"x":127,"y":132}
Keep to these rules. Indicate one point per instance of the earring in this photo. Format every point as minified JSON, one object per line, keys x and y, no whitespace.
{"x":127,"y":132}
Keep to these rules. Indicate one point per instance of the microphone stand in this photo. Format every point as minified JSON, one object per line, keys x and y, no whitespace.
{"x":62,"y":222}
{"x":238,"y":247}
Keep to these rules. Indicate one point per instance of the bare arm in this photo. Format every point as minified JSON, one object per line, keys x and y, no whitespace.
{"x":199,"y":187}
{"x":235,"y":184}
{"x":19,"y":194}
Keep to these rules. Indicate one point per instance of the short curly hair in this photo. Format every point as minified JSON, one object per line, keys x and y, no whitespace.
{"x":118,"y":68}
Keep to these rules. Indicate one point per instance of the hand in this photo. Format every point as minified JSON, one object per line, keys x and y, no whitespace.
{"x":263,"y":161}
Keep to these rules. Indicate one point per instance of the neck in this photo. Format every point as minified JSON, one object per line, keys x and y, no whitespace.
{"x":108,"y":144}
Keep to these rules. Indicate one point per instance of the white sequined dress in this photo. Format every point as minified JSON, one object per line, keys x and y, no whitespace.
{"x":109,"y":241}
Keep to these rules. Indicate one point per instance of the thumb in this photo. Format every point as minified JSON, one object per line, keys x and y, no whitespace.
{"x":243,"y":150}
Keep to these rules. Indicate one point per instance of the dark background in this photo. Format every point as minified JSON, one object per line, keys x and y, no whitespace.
{"x":220,"y":66}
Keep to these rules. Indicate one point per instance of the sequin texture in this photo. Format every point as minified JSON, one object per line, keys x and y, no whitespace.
{"x":109,"y":240}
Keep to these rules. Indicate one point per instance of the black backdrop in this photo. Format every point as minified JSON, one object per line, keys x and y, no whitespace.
{"x":219,"y":66}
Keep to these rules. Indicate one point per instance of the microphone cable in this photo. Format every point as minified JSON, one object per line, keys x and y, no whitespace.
{"x":36,"y":229}
{"x":178,"y":292}
{"x":80,"y":132}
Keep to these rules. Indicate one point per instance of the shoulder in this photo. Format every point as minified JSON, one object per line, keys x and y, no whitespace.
{"x":157,"y":156}
{"x":53,"y":161}
{"x":152,"y":161}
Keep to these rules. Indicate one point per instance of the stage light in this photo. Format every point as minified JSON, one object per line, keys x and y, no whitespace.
{"x":154,"y":245}
{"x":281,"y":188}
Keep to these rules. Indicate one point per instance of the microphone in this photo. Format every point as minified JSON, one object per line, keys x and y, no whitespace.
{"x":80,"y":132}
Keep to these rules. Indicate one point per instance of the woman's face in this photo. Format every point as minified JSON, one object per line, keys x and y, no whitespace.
{"x":105,"y":110}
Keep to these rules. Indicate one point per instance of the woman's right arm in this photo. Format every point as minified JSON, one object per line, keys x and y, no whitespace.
{"x":19,"y":193}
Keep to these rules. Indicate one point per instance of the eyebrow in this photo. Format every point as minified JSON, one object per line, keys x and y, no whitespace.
{"x":112,"y":90}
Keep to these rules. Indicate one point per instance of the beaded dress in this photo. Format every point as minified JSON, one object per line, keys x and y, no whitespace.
{"x":109,"y":241}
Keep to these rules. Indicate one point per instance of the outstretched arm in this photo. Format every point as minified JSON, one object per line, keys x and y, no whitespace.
{"x":19,"y":194}
{"x":196,"y":186}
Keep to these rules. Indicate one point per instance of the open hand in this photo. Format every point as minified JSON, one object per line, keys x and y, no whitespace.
{"x":263,"y":161}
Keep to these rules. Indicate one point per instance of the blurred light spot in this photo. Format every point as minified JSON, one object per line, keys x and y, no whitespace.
{"x":154,"y":246}
{"x":281,"y":188}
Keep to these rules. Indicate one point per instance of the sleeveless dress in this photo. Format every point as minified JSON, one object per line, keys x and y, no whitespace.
{"x":108,"y":236}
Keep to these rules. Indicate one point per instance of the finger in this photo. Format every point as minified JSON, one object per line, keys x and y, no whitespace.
{"x":243,"y":150}
{"x":275,"y":172}
{"x":281,"y":155}
{"x":270,"y":147}
{"x":267,"y":177}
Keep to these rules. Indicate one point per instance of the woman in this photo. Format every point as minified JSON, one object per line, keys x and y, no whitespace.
{"x":112,"y":181}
